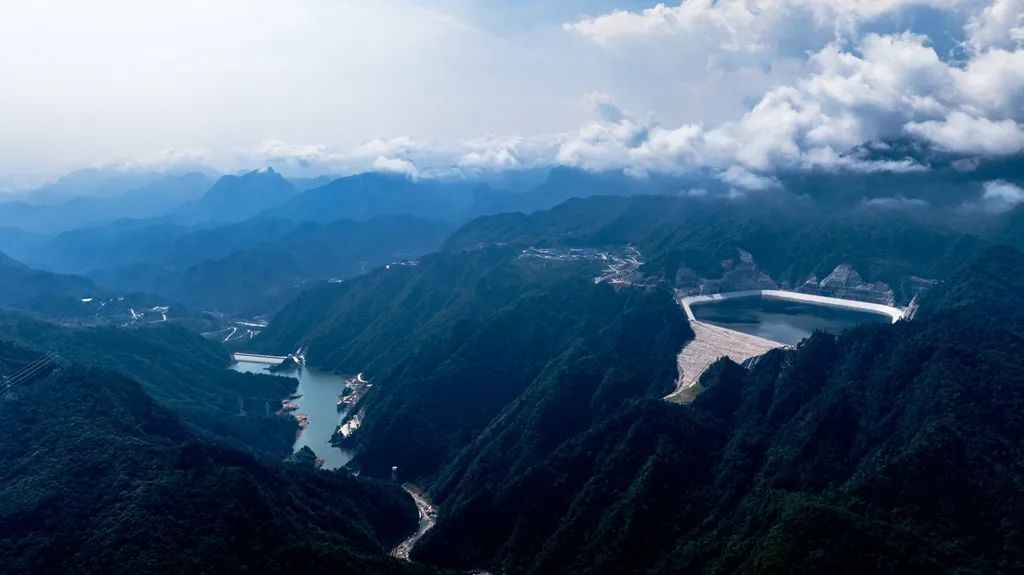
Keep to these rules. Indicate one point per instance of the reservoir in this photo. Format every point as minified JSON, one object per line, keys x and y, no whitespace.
{"x":319,"y":403}
{"x":780,"y":320}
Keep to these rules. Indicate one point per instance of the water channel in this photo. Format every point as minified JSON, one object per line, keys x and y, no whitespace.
{"x":319,"y":392}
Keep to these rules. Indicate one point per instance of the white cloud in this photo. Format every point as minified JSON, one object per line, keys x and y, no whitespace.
{"x":744,"y":25}
{"x":397,"y":154}
{"x":966,"y":165}
{"x":396,"y":165}
{"x":961,"y":132}
{"x":847,"y":99}
{"x":884,"y":86}
{"x":499,"y":158}
{"x":506,"y":152}
{"x":895,"y":203}
{"x":300,"y":155}
{"x":991,"y":83}
{"x":1000,"y":196}
{"x":132,"y":78}
{"x":607,"y":142}
{"x":397,"y":146}
{"x":744,"y":178}
{"x":741,"y":88}
{"x":1000,"y":25}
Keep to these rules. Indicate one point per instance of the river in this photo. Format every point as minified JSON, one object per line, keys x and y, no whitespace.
{"x":779,"y":320}
{"x":319,"y":402}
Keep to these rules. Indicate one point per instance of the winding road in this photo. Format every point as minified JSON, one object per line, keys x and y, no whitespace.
{"x":428,"y":517}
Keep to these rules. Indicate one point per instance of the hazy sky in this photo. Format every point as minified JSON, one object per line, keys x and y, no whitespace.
{"x":331,"y":85}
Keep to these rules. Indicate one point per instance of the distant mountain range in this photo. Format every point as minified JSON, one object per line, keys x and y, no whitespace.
{"x":20,"y":283}
{"x":237,"y":198}
{"x":256,"y":266}
{"x":519,"y":334}
{"x":151,"y":199}
{"x":528,"y":399}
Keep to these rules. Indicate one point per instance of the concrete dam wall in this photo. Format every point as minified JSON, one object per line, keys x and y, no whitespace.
{"x":712,"y":343}
{"x":894,"y":313}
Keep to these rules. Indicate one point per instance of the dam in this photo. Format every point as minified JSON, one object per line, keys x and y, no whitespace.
{"x":745,"y":324}
{"x":257,"y":358}
{"x":298,"y":356}
{"x":894,"y":313}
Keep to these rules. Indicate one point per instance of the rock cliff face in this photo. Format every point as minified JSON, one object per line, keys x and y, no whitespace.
{"x":738,"y":274}
{"x":844,"y":282}
{"x":742,"y":273}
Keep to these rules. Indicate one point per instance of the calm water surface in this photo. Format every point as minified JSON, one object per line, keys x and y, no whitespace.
{"x":319,"y":402}
{"x":781,"y":320}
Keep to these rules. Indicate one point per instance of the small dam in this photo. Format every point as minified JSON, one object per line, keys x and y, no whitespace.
{"x":299,"y":357}
{"x":256,"y":358}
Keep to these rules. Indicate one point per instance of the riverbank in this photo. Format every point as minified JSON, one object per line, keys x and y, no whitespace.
{"x":313,"y":403}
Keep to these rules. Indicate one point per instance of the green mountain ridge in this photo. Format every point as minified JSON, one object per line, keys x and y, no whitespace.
{"x":458,"y":337}
{"x":19,"y":284}
{"x":113,"y":483}
{"x":892,"y":449}
{"x":551,"y":451}
{"x":180,"y":369}
{"x":684,"y":238}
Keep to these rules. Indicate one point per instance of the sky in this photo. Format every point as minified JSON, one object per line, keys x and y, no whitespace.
{"x":432,"y":87}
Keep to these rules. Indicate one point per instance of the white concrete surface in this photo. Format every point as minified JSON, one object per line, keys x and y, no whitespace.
{"x":254,"y":358}
{"x":894,"y":313}
{"x":711,"y":343}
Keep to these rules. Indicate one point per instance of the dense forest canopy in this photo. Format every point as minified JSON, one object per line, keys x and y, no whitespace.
{"x":471,"y":287}
{"x":516,"y":377}
{"x":99,"y":478}
{"x":888,"y":449}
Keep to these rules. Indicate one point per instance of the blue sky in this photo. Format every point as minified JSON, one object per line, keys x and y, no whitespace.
{"x":431,"y":86}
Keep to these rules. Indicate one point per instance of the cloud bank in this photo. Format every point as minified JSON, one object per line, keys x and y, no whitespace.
{"x":820,"y":78}
{"x":873,"y":87}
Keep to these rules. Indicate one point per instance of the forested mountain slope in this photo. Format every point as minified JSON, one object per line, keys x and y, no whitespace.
{"x":260,"y":273}
{"x":97,"y":478}
{"x":181,"y":370}
{"x":685,"y":240}
{"x":245,"y":267}
{"x":888,"y":449}
{"x":20,"y":283}
{"x":454,"y":340}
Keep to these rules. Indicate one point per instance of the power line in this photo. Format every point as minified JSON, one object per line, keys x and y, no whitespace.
{"x":36,"y":369}
{"x":27,"y":372}
{"x":30,"y":365}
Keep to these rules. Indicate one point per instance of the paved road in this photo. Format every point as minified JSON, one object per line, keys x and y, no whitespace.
{"x":428,"y":517}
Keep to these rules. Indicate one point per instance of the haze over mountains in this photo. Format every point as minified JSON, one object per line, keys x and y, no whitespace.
{"x":433,"y":287}
{"x":519,"y":343}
